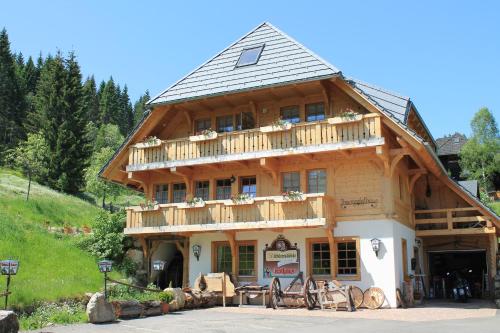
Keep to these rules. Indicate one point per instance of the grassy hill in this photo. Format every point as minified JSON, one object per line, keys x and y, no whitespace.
{"x":51,"y":267}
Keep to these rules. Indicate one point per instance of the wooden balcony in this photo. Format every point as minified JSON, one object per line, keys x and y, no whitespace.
{"x":457,"y":221}
{"x":331,"y":134}
{"x":215,"y":215}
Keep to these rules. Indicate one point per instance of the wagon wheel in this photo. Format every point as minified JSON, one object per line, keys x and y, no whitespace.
{"x":373,"y":298}
{"x":310,"y":293}
{"x":400,"y":299}
{"x":357,"y":296}
{"x":274,"y":293}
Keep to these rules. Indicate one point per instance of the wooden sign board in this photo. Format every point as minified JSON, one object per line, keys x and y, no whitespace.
{"x":281,"y":259}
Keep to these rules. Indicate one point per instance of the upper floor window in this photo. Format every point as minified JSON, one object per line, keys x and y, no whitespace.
{"x":290,"y":114}
{"x":291,"y":181}
{"x":179,"y":192}
{"x":202,"y":189}
{"x":315,"y":112}
{"x":223,"y":189}
{"x":202,"y":124}
{"x":225,"y":124}
{"x":250,"y":56}
{"x":244,"y":120}
{"x":249,"y":186}
{"x":161,"y":193}
{"x":316,"y":181}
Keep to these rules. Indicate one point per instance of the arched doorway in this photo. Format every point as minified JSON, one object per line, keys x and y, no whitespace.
{"x":174,"y":272}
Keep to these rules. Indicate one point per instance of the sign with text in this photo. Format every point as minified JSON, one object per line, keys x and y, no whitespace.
{"x":281,"y":259}
{"x":363,"y":202}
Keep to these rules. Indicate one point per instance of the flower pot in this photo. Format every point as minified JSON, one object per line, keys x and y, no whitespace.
{"x":240,"y":202}
{"x":343,"y":120}
{"x":164,"y":307}
{"x":276,"y":128}
{"x":151,"y":144}
{"x":203,"y":137}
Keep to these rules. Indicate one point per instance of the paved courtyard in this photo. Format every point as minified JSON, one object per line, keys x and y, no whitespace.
{"x":435,"y":318}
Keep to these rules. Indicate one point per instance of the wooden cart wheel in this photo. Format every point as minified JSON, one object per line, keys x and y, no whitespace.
{"x":373,"y":298}
{"x":274,"y":293}
{"x":310,"y":293}
{"x":357,"y":296}
{"x":400,"y":299}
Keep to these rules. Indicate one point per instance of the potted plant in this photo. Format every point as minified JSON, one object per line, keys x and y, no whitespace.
{"x":345,"y":117}
{"x":165,"y":298}
{"x":149,"y":205}
{"x":242,"y":199}
{"x":206,"y":134}
{"x":278,"y":125}
{"x":149,"y":141}
{"x":195,"y":202}
{"x":293,"y":196}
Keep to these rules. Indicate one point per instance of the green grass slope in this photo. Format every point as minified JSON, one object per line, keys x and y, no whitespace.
{"x":51,"y":267}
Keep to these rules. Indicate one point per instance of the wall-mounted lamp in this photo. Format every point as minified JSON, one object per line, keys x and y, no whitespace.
{"x":197,"y":251}
{"x":232,"y":179}
{"x":376,"y":245}
{"x":418,"y":242}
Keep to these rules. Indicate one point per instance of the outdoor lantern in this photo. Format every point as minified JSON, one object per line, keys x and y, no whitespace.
{"x":158,"y":265}
{"x":418,"y":242}
{"x":376,"y":245}
{"x":8,"y":267}
{"x":105,"y":266}
{"x":197,"y":251}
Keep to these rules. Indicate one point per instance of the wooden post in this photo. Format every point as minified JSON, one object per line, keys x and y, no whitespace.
{"x":449,"y":219}
{"x":184,"y":250}
{"x":333,"y":257}
{"x":234,"y":253}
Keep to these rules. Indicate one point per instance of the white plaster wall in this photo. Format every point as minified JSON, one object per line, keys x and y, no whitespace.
{"x":384,"y":271}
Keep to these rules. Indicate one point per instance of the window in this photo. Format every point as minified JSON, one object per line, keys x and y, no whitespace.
{"x":291,"y":114}
{"x":223,"y":189}
{"x":225,"y":124}
{"x":202,"y":189}
{"x":202,"y":124}
{"x":222,"y":262}
{"x":244,"y":120}
{"x":291,"y":181}
{"x":315,"y":112}
{"x":320,"y":258}
{"x":250,"y":56}
{"x":179,"y":192}
{"x":249,"y":186}
{"x":316,"y":181}
{"x":247,"y":259}
{"x":161,"y":193}
{"x":348,"y":257}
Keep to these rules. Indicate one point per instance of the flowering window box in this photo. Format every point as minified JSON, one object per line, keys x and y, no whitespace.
{"x":291,"y":196}
{"x":346,"y":118}
{"x":204,"y":136}
{"x":193,"y":203}
{"x":149,"y":143}
{"x":149,"y":206}
{"x":241,"y":199}
{"x":276,"y":128}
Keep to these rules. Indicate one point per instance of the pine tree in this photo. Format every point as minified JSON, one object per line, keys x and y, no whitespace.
{"x":91,"y":100}
{"x":125,"y":117}
{"x":12,"y":108}
{"x":31,"y":74}
{"x":140,"y":107}
{"x":109,"y":103}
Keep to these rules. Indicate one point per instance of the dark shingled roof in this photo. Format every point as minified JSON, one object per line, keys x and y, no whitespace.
{"x":450,"y":144}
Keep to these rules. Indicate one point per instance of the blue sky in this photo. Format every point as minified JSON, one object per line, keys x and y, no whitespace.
{"x":445,"y":55}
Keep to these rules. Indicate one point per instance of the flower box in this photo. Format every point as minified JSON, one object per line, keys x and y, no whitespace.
{"x":344,"y":119}
{"x":148,"y":144}
{"x":194,"y":203}
{"x":241,"y":199}
{"x":276,"y":128}
{"x":291,"y":196}
{"x":204,"y":137}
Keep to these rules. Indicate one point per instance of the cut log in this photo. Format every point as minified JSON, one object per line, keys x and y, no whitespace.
{"x":128,"y":309}
{"x":152,"y":308}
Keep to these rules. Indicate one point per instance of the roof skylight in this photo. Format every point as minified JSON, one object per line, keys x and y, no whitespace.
{"x":250,"y":56}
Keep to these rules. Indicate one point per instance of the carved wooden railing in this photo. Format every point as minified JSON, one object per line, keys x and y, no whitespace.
{"x":465,"y":220}
{"x":331,"y":131}
{"x":261,"y":210}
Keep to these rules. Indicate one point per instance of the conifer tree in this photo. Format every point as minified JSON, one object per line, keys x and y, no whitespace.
{"x":91,"y":101}
{"x":108,"y":103}
{"x":125,"y":116}
{"x":140,"y":107}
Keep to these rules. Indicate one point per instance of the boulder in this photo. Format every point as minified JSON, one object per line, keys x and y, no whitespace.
{"x":173,"y":306}
{"x":136,"y":256}
{"x":99,"y":310}
{"x":8,"y":322}
{"x":179,"y":296}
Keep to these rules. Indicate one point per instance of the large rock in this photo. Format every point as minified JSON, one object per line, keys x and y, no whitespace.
{"x":99,"y":310}
{"x":136,"y":256}
{"x":179,"y":298}
{"x":8,"y":322}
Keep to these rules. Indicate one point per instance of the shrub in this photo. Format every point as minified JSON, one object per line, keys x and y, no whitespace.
{"x":166,"y":296}
{"x":52,"y":313}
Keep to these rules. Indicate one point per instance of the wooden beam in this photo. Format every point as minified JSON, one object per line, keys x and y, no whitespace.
{"x":234,"y":253}
{"x":253,"y":109}
{"x":414,"y":179}
{"x":394,"y":163}
{"x":326,"y":96}
{"x":187,"y":175}
{"x":333,"y":250}
{"x":383,"y":154}
{"x":272,"y":166}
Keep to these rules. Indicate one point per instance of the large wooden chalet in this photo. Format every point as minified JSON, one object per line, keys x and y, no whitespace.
{"x":268,"y":141}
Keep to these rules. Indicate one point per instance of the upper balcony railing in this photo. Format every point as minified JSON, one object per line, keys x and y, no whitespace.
{"x":217,"y":215}
{"x":329,"y":134}
{"x":466,"y":220}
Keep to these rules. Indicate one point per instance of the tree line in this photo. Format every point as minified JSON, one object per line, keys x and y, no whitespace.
{"x":54,"y":125}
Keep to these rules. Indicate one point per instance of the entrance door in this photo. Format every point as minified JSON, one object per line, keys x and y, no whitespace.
{"x":174,"y":272}
{"x":469,"y":264}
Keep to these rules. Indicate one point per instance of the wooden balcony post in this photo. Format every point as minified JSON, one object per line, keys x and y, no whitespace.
{"x":378,"y":127}
{"x":449,"y":219}
{"x":332,"y":248}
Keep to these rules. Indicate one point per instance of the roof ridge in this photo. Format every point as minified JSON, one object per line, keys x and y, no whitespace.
{"x":204,"y":63}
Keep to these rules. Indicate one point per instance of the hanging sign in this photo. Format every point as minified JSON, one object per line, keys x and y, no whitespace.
{"x":281,"y":259}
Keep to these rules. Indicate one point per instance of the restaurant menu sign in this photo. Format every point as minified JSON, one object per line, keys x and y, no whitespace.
{"x":281,"y":259}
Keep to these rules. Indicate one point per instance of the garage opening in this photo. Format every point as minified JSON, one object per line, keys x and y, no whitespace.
{"x":469,"y":264}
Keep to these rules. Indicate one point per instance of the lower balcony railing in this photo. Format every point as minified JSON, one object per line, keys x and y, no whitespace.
{"x":466,"y":220}
{"x":258,"y":213}
{"x":330,"y":134}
